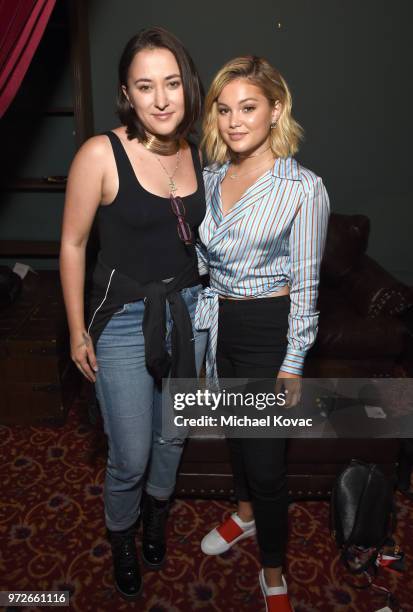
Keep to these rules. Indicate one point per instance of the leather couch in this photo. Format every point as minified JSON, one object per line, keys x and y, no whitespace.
{"x":361,"y":335}
{"x":361,"y":328}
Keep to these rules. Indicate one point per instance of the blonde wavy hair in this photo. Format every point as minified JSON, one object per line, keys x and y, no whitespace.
{"x":285,"y":137}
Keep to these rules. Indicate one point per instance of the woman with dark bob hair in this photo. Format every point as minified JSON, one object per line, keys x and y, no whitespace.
{"x":263,"y":237}
{"x":143,"y":181}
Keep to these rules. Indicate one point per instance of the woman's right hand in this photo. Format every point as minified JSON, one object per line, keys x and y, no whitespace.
{"x":83,"y":354}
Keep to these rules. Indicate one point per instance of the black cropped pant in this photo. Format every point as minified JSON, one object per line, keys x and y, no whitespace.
{"x":252,"y":341}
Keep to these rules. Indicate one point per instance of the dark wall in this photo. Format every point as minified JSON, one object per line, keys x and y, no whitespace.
{"x":348,"y":64}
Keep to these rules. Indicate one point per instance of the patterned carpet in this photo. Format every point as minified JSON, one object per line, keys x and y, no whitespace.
{"x":52,"y":537}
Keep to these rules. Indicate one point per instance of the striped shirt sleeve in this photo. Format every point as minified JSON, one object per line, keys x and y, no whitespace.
{"x":202,"y":255}
{"x":306,"y":243}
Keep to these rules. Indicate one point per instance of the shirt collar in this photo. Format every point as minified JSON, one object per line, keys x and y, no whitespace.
{"x":284,"y":167}
{"x":287,"y":168}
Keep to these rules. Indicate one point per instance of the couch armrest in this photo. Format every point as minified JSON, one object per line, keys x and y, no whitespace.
{"x":375,"y":292}
{"x":347,"y":239}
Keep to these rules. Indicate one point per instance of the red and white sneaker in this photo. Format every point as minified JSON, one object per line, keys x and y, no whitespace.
{"x":220,"y":539}
{"x":276,"y":598}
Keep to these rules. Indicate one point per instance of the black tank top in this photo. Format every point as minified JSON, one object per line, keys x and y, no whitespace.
{"x":138,"y":232}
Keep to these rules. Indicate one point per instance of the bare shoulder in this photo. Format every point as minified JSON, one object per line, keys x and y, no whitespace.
{"x":95,"y":148}
{"x":94,"y":157}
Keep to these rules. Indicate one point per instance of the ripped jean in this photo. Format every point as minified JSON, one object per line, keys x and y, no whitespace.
{"x":131,"y":406}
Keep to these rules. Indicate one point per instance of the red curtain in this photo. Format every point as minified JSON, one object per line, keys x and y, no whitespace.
{"x":22,"y":23}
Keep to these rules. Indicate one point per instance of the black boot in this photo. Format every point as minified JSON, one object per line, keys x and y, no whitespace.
{"x":154,"y":515}
{"x":128,"y":579}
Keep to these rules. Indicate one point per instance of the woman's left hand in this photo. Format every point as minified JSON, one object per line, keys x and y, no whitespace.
{"x":290,"y":384}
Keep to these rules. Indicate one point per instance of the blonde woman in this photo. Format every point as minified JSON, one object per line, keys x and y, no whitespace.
{"x":262,"y":241}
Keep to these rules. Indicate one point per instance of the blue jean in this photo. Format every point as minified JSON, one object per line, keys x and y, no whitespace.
{"x":131,"y":406}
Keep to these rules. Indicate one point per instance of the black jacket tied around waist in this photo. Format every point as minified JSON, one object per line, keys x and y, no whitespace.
{"x":112,"y":289}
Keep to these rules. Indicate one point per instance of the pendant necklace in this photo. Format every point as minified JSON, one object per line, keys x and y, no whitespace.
{"x":172,"y":185}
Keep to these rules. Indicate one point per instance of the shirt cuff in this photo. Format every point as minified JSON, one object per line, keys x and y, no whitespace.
{"x":293,"y":361}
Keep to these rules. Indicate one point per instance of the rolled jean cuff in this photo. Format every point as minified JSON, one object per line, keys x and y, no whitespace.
{"x":120,"y":527}
{"x":159,"y":492}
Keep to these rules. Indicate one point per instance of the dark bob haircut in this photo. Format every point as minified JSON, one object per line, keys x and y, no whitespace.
{"x":158,"y":38}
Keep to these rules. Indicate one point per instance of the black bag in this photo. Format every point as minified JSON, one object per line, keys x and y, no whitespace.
{"x":362,"y":513}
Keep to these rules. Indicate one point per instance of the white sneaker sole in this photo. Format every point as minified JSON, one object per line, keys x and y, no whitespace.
{"x":260,"y":579}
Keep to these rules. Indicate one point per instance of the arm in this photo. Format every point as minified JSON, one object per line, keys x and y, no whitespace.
{"x":307,"y":240}
{"x":83,"y":196}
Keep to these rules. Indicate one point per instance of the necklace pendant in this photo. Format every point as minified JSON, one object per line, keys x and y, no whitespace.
{"x":233,"y":176}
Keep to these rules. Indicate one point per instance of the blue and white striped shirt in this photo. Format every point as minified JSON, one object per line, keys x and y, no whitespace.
{"x":272,"y":237}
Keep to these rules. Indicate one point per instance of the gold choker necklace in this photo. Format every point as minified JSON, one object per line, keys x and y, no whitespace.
{"x":160,"y":146}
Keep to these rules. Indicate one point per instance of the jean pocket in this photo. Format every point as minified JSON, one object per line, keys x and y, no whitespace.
{"x":190,"y":296}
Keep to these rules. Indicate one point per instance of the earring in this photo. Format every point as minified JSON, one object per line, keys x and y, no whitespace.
{"x":273,"y":125}
{"x":131,"y":105}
